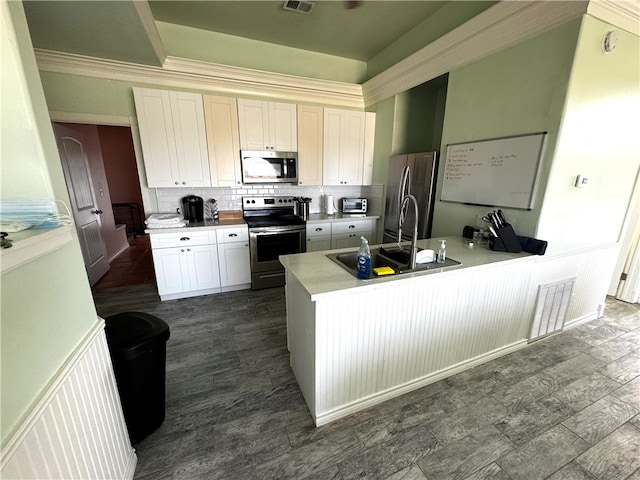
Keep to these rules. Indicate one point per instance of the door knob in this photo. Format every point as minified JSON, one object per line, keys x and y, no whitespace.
{"x":97,"y":212}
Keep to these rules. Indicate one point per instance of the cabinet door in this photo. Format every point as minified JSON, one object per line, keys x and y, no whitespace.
{"x":343,"y":147}
{"x":369,"y":139}
{"x":253,"y":119}
{"x":191,"y":139}
{"x":153,"y":110}
{"x":317,"y":244}
{"x":172,"y":270}
{"x":203,"y":267}
{"x":310,"y":128}
{"x":223,"y":140}
{"x":234,"y":263}
{"x":352,"y":148}
{"x":283,"y":127}
{"x":345,"y":240}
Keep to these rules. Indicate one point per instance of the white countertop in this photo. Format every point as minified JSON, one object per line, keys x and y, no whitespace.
{"x":340,"y":217}
{"x":321,"y":276}
{"x":202,"y":226}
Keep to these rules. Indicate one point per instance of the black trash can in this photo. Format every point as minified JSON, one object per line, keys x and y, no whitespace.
{"x":138,"y":346}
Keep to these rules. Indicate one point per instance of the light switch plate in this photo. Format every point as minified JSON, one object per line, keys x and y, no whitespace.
{"x":581,"y":181}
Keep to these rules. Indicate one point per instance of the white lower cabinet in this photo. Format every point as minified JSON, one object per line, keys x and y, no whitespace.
{"x":233,"y":252}
{"x":318,"y":236}
{"x":186,"y":264}
{"x":347,"y":234}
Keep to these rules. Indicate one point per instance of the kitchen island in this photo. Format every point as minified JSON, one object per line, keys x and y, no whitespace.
{"x":356,"y":343}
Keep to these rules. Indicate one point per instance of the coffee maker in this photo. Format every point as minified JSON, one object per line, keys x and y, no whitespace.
{"x":193,"y":208}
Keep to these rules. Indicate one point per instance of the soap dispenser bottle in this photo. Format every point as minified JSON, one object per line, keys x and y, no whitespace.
{"x":363,"y":262}
{"x":442,"y":253}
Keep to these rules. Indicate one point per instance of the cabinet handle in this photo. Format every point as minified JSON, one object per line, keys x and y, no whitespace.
{"x":188,"y":249}
{"x":182,"y":249}
{"x":352,"y":226}
{"x":183,"y":239}
{"x":184,"y":183}
{"x":177,"y":183}
{"x":318,"y":229}
{"x":233,"y":234}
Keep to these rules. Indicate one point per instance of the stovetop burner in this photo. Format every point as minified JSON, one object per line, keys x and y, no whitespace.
{"x":261,"y":212}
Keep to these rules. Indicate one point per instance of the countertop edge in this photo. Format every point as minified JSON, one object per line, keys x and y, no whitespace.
{"x":201,"y":226}
{"x":330,"y":279}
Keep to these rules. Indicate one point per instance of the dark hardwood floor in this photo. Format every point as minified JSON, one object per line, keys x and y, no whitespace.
{"x":566,"y":407}
{"x":133,"y":267}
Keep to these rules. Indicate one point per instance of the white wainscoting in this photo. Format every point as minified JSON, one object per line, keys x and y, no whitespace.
{"x":77,"y":431}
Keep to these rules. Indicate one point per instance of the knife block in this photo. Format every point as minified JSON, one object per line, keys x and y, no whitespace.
{"x":506,"y":241}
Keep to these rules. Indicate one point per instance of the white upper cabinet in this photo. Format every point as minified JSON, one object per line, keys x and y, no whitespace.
{"x":345,"y":144}
{"x":223,"y":140}
{"x":173,"y":137}
{"x":310,"y":128}
{"x":267,"y":125}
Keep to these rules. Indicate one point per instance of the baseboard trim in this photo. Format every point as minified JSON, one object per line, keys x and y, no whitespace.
{"x":380,"y":397}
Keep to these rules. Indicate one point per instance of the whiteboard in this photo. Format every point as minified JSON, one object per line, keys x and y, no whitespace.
{"x":498,"y":172}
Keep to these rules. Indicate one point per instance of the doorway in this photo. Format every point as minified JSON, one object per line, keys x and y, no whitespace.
{"x":113,"y":179}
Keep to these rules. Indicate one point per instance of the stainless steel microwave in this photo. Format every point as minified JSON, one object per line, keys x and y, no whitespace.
{"x":269,"y":166}
{"x":354,"y":205}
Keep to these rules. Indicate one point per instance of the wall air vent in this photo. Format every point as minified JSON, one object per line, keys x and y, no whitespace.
{"x":299,"y":6}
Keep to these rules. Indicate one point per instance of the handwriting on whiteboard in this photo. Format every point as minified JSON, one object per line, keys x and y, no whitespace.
{"x":461,"y":161}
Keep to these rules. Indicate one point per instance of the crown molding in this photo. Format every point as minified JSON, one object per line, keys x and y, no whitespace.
{"x":620,"y":13}
{"x":206,"y":77}
{"x":498,"y":27}
{"x":149,"y":25}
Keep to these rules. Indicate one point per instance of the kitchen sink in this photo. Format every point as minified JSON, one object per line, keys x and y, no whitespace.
{"x":396,"y":259}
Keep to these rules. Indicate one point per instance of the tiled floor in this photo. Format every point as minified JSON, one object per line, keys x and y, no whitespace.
{"x":133,"y":267}
{"x":567,"y":407}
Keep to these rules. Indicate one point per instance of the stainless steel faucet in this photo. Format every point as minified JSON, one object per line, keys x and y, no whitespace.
{"x":401,"y":218}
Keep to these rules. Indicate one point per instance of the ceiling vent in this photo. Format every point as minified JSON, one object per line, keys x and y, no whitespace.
{"x":299,"y":6}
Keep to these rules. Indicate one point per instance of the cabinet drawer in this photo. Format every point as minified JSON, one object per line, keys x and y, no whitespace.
{"x":318,"y":229}
{"x":179,"y":239}
{"x":338,"y":228}
{"x":233,"y":234}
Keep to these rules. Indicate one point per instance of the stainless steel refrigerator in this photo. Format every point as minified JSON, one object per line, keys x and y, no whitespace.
{"x":421,"y":183}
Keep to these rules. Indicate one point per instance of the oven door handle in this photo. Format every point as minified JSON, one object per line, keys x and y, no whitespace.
{"x":276,"y":230}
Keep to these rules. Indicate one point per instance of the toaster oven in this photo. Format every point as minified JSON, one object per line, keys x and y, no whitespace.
{"x":354,"y":205}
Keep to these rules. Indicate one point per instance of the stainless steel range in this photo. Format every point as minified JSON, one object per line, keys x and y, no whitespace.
{"x":274,"y":230}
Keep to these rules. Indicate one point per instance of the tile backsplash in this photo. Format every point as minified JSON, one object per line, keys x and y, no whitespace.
{"x":230,"y":198}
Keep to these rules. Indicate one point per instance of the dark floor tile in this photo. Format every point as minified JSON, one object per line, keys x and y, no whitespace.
{"x":311,"y":459}
{"x":612,"y":350}
{"x":490,"y":472}
{"x":600,"y":419}
{"x":615,"y":457}
{"x":531,"y":419}
{"x":586,"y":390}
{"x":213,"y":464}
{"x":452,"y":427}
{"x":466,"y":456}
{"x":597,"y":336}
{"x":624,"y":369}
{"x":543,"y":455}
{"x":403,"y":449}
{"x":572,"y":471}
{"x":629,"y":393}
{"x":412,"y":472}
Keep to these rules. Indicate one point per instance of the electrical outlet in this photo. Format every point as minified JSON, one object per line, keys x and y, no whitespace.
{"x":479,"y":221}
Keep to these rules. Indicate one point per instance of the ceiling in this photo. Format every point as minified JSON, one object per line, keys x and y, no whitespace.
{"x":115,"y":28}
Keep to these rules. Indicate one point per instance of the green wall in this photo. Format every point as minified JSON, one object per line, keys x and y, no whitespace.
{"x":46,"y":304}
{"x":515,"y":91}
{"x":441,"y":22}
{"x":599,"y":137}
{"x":198,"y":44}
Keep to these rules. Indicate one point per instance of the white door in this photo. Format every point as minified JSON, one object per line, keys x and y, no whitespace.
{"x":86,"y":213}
